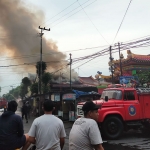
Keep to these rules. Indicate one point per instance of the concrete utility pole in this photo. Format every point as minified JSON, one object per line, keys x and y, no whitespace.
{"x":70,"y":69}
{"x":40,"y":79}
{"x":120,"y":59}
{"x":111,"y":66}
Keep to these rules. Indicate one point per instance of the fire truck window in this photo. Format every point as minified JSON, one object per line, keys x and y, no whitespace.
{"x":129,"y":96}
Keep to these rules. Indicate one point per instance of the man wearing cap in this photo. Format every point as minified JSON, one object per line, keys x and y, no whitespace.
{"x":85,"y":134}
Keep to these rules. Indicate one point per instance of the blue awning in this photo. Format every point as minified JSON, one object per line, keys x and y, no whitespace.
{"x":79,"y":93}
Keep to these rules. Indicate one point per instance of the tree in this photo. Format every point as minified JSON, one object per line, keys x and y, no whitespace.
{"x":15,"y":92}
{"x":38,"y":68}
{"x":34,"y":88}
{"x":24,"y":87}
{"x":26,"y":81}
{"x":46,"y":78}
{"x":143,"y":77}
{"x":23,"y":91}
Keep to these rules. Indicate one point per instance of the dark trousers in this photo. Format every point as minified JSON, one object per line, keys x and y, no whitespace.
{"x":24,"y":114}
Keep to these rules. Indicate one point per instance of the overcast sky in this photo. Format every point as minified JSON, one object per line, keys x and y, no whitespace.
{"x":89,"y":23}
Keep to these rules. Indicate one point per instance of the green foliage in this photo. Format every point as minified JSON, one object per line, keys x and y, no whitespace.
{"x":23,"y":90}
{"x":38,"y":68}
{"x":46,"y":78}
{"x":8,"y":97}
{"x":13,"y":94}
{"x":34,"y":88}
{"x":24,"y":87}
{"x":26,"y":81}
{"x":144,"y":77}
{"x":46,"y":89}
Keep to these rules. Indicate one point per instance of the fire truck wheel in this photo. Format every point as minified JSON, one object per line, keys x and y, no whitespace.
{"x":112,"y":127}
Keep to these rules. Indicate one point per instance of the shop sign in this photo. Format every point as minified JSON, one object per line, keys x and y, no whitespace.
{"x":57,"y":97}
{"x":69,"y":96}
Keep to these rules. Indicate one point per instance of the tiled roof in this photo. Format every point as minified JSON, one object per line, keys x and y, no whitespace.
{"x":134,"y":58}
{"x":88,"y":80}
{"x":141,"y":57}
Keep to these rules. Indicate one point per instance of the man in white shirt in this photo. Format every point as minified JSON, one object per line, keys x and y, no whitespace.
{"x":47,"y":131}
{"x":85,"y":134}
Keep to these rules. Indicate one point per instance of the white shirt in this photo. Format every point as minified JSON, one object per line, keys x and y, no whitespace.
{"x":84,"y":134}
{"x":47,"y":130}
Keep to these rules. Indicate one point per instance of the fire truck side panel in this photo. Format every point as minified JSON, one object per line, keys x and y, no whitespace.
{"x":111,"y":111}
{"x":132,"y":110}
{"x":145,"y":105}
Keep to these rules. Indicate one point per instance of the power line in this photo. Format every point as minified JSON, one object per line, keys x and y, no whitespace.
{"x":93,"y":23}
{"x":67,"y":13}
{"x":62,"y":11}
{"x":72,"y":15}
{"x":88,"y":48}
{"x":45,"y":54}
{"x":122,"y":21}
{"x":32,"y":63}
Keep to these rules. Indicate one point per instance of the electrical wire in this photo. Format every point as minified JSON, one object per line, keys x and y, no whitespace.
{"x":122,"y":21}
{"x":65,"y":14}
{"x":71,"y":15}
{"x":61,"y":11}
{"x":93,"y":23}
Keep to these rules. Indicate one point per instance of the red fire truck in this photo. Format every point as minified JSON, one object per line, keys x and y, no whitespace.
{"x":121,"y":109}
{"x":3,"y":103}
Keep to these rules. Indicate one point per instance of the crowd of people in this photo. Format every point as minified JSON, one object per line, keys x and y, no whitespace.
{"x":47,"y":132}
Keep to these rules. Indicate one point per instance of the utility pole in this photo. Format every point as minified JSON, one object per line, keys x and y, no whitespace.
{"x":70,"y":69}
{"x":40,"y":79}
{"x":120,"y":59}
{"x":111,"y":65}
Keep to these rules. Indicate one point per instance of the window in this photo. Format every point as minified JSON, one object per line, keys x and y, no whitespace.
{"x":129,"y":95}
{"x":112,"y":94}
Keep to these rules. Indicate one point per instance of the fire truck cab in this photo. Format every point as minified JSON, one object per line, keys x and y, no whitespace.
{"x":120,"y":109}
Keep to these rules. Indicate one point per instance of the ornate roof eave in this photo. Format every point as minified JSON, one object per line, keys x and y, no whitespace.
{"x":134,"y":58}
{"x":132,"y":67}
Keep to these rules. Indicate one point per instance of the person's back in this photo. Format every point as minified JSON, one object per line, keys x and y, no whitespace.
{"x":11,"y":129}
{"x":47,"y":131}
{"x":25,"y":112}
{"x":83,"y":134}
{"x":24,"y":108}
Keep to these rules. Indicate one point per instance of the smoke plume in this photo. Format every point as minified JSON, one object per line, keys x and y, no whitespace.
{"x":19,"y":37}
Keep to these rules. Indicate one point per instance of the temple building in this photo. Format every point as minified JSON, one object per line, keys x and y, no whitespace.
{"x":132,"y":64}
{"x":129,"y":66}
